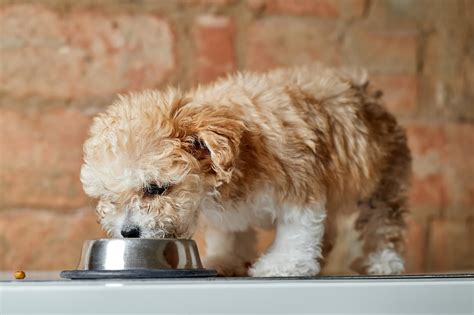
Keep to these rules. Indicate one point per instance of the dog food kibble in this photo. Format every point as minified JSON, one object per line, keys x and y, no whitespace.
{"x":20,"y":274}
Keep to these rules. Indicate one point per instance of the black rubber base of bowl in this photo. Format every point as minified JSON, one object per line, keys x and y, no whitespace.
{"x":137,"y":274}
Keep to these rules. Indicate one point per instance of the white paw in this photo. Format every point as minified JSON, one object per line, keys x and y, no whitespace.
{"x":284,"y":266}
{"x":385,"y":262}
{"x":229,"y":266}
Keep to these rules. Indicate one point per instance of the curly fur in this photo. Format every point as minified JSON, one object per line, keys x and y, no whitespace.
{"x":294,"y":149}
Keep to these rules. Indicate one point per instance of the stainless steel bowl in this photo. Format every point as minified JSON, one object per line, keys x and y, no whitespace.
{"x":127,"y":254}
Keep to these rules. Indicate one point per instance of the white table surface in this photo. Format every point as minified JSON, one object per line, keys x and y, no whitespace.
{"x":236,"y":296}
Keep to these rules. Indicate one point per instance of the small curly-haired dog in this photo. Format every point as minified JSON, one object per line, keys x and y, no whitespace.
{"x":309,"y":150}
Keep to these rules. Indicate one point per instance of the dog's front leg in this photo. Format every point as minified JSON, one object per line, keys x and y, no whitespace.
{"x":230,"y":253}
{"x":297,"y":244}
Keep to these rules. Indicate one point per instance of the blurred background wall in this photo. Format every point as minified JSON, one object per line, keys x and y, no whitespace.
{"x":61,"y":62}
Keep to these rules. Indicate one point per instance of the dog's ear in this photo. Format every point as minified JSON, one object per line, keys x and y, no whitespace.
{"x":214,"y":136}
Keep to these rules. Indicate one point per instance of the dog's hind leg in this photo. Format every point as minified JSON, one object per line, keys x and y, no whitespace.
{"x":230,"y":253}
{"x":381,"y":226}
{"x":381,"y":221}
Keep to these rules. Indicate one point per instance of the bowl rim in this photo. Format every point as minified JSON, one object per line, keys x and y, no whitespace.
{"x":141,"y":239}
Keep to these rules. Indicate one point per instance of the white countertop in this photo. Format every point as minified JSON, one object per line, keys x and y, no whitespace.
{"x":236,"y":296}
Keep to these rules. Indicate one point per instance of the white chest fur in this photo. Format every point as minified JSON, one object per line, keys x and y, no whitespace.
{"x":259,"y":210}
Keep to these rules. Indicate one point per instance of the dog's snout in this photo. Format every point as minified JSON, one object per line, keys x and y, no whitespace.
{"x":131,"y":232}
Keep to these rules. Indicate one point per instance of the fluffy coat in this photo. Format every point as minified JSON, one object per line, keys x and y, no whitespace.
{"x":309,"y":150}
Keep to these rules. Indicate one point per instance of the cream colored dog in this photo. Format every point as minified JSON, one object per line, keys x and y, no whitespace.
{"x":309,"y":151}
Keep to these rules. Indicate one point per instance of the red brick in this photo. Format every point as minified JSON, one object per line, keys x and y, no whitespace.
{"x":415,"y":251}
{"x":353,"y":8}
{"x":209,"y":2}
{"x":41,"y":157}
{"x":322,"y":8}
{"x":200,"y":239}
{"x":264,"y":239}
{"x":458,"y":163}
{"x":44,"y":240}
{"x":461,"y":144}
{"x":428,"y":195}
{"x":382,"y":52}
{"x":424,"y":138}
{"x":468,"y":95}
{"x":447,"y":63}
{"x":214,"y":41}
{"x":400,"y":15}
{"x":400,"y":92}
{"x":319,"y":8}
{"x":81,"y":53}
{"x":428,"y":144}
{"x":443,"y":155}
{"x":429,"y":191}
{"x":278,"y":41}
{"x":451,"y":246}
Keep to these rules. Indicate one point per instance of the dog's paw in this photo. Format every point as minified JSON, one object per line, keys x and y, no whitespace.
{"x":284,"y":266}
{"x":385,"y":262}
{"x":228,"y":266}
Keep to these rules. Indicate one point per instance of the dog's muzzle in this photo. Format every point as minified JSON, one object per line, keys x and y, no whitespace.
{"x":131,"y":232}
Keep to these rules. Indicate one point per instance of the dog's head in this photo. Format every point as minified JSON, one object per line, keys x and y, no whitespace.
{"x":153,"y":157}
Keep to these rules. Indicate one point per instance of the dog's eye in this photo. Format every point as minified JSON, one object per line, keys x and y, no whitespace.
{"x":153,"y":189}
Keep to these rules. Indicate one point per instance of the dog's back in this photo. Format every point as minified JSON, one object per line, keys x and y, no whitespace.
{"x":316,"y":132}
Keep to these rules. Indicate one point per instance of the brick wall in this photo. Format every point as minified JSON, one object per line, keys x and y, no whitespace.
{"x":63,"y":61}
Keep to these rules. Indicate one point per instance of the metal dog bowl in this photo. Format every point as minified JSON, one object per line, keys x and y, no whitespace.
{"x":137,"y":259}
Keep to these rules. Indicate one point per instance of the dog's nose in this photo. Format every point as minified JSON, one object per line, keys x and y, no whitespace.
{"x":131,"y":232}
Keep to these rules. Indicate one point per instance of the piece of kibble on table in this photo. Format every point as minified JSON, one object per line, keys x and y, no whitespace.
{"x":20,"y":274}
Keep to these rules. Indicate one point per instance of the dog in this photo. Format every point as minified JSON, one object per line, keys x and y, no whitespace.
{"x":309,"y":151}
